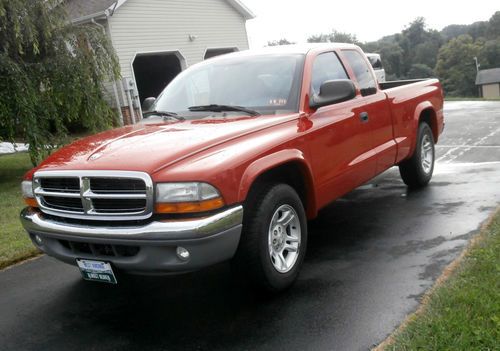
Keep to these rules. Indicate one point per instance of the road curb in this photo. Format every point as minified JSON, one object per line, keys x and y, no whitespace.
{"x":22,"y":261}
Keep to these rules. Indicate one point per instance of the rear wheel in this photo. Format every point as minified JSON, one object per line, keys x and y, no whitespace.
{"x":274,"y":238}
{"x":417,"y":170}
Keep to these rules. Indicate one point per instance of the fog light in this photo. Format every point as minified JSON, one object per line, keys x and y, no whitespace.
{"x":38,"y":239}
{"x":182,"y":253}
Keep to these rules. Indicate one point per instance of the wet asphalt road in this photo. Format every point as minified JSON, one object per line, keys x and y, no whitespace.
{"x":371,"y":257}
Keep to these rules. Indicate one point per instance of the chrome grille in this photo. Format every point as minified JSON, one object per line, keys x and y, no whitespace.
{"x":111,"y":185}
{"x":63,"y":203}
{"x":98,"y":195}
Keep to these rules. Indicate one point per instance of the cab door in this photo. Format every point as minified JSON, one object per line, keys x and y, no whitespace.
{"x":339,"y":139}
{"x":376,"y":110}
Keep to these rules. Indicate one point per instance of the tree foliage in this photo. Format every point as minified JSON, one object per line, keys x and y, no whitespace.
{"x":456,"y":66}
{"x":334,"y":37}
{"x":420,"y":52}
{"x":489,"y":54}
{"x":420,"y":70}
{"x":51,"y":74}
{"x":282,"y":41}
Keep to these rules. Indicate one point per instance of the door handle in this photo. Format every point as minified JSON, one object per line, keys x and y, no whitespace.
{"x":363,"y":116}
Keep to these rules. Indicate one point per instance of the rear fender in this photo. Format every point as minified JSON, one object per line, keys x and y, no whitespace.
{"x":423,"y":110}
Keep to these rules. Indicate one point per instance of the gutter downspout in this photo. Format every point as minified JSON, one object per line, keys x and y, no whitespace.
{"x":115,"y":91}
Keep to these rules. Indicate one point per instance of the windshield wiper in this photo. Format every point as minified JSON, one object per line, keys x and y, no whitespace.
{"x":222,"y":108}
{"x":164,"y":114}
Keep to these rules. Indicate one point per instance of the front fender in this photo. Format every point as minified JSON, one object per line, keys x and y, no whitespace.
{"x":274,"y":160}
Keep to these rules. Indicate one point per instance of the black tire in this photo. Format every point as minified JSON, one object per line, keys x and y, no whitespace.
{"x":412,"y":170}
{"x":253,"y":262}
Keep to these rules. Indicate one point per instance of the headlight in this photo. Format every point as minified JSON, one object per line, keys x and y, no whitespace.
{"x":27,"y":191}
{"x":187,"y":197}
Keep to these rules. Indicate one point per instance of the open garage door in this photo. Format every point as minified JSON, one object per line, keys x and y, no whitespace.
{"x":216,"y":52}
{"x":153,"y":71}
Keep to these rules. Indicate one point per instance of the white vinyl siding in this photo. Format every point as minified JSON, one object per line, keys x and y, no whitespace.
{"x":165,"y":25}
{"x":491,"y":90}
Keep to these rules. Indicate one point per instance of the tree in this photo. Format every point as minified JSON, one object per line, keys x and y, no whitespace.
{"x":392,"y":57}
{"x":420,"y":45}
{"x":426,"y":53}
{"x":455,"y":66}
{"x":334,"y":37}
{"x":319,"y":38}
{"x":51,"y":74}
{"x":478,"y":29}
{"x":282,"y":41}
{"x":454,"y":30}
{"x":419,"y":70}
{"x":489,"y":54}
{"x":343,"y":37}
{"x":415,"y":32}
{"x":493,"y":30}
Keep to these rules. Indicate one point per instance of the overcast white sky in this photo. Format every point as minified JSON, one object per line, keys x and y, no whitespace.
{"x":369,"y":20}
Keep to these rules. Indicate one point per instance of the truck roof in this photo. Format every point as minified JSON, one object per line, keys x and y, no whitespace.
{"x":304,"y":48}
{"x":290,"y":49}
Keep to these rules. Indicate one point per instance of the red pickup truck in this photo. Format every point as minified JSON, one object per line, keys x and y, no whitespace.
{"x":229,"y":163}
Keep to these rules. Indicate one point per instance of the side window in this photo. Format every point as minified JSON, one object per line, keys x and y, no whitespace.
{"x":326,"y":66}
{"x":362,"y":72}
{"x":375,"y":62}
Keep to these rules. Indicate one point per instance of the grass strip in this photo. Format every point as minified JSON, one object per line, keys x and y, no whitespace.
{"x":15,"y":245}
{"x":462,"y":310}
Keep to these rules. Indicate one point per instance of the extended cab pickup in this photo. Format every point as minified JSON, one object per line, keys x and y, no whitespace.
{"x":230,"y":162}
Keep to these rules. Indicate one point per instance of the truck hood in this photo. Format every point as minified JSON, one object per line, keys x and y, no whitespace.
{"x":151,"y":147}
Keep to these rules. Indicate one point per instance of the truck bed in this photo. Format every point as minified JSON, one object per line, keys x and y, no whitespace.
{"x":398,"y":83}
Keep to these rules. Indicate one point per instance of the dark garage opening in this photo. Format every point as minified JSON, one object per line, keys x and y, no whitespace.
{"x":216,"y":52}
{"x":154,"y":71}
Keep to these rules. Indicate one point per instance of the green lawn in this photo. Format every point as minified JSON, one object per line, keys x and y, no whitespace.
{"x":463,"y":313}
{"x":14,"y":242}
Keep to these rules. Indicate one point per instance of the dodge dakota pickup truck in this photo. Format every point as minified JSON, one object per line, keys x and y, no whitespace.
{"x":230,"y":162}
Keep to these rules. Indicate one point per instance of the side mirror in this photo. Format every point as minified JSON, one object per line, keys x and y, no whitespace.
{"x":147,"y":103}
{"x":333,"y":91}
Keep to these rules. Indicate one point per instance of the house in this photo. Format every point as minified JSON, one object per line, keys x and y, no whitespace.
{"x":488,"y":81}
{"x":156,"y":39}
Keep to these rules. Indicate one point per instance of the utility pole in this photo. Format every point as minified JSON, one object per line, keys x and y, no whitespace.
{"x":477,"y":64}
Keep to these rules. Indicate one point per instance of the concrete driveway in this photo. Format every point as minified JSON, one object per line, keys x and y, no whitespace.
{"x":371,"y":257}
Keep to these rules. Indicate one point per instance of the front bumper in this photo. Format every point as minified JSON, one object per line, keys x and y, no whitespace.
{"x":142,"y":249}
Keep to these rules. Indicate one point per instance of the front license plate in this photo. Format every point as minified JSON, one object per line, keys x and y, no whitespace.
{"x":98,"y":271}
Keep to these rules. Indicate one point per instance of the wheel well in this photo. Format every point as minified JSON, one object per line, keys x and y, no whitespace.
{"x":295,"y":175}
{"x":429,"y":116}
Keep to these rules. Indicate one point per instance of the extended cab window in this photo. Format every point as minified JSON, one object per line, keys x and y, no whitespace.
{"x":326,"y":66}
{"x":366,"y":81}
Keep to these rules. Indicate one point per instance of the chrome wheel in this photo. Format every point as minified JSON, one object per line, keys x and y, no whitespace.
{"x":284,"y":238}
{"x":426,"y":154}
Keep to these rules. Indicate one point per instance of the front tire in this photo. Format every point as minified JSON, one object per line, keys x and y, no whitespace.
{"x":416,"y":171}
{"x":274,"y":239}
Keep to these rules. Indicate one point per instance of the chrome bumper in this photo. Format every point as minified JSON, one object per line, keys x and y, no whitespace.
{"x":209,"y":240}
{"x":34,"y":222}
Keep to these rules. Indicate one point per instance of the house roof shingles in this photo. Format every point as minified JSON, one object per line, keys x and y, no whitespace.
{"x":78,"y":9}
{"x":488,"y":76}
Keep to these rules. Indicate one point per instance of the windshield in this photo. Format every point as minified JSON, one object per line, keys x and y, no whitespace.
{"x":268,"y":84}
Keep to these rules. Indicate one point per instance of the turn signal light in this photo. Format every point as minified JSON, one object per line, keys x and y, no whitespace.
{"x":31,"y":202}
{"x":190,"y":207}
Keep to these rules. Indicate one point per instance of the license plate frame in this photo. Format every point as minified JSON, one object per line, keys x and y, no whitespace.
{"x":96,"y":270}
